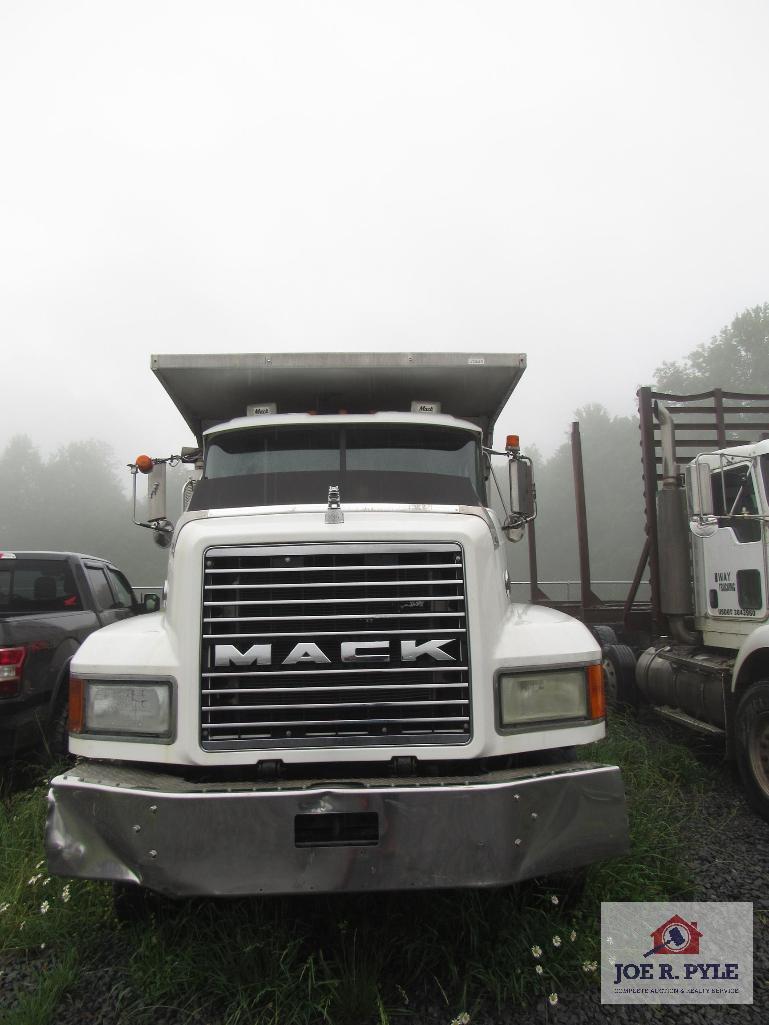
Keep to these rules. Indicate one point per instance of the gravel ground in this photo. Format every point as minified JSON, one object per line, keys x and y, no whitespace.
{"x":729,"y":857}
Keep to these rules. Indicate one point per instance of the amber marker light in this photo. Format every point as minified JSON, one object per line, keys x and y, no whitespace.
{"x":513,"y":443}
{"x":595,"y":692}
{"x":76,"y":719}
{"x":144,"y":464}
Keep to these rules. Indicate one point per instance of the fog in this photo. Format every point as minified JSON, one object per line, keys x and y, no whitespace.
{"x":585,"y":183}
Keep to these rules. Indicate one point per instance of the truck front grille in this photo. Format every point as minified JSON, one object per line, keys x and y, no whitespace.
{"x":345,"y":644}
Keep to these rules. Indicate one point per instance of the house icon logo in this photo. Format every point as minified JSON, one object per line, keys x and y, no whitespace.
{"x":676,"y":936}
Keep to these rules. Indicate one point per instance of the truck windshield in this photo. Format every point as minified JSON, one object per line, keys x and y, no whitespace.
{"x":399,"y":463}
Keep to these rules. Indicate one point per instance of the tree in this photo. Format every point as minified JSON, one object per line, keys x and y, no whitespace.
{"x":22,"y":486}
{"x":75,"y":501}
{"x":614,"y":493}
{"x":737,"y":359}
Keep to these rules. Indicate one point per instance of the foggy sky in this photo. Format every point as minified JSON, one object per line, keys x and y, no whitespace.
{"x":584,"y":182}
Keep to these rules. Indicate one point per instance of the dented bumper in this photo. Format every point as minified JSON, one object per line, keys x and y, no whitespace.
{"x":127,"y":824}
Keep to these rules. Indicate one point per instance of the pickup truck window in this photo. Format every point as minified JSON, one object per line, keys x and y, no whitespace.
{"x":123,"y":593}
{"x":371,"y":463}
{"x":39,"y":585}
{"x":100,"y":587}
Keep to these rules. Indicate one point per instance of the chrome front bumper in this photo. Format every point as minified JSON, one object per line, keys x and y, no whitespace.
{"x":126,"y":824}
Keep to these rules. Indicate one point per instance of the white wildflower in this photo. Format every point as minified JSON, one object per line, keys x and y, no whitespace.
{"x":4,"y":907}
{"x":556,"y":941}
{"x":46,"y":881}
{"x":589,"y":966}
{"x":572,"y":935}
{"x":44,"y":907}
{"x":462,"y":1019}
{"x":609,"y":940}
{"x":554,"y":899}
{"x":35,"y":879}
{"x":536,"y":951}
{"x":553,"y":998}
{"x":539,"y":969}
{"x":42,"y":946}
{"x":21,"y":925}
{"x":40,"y":863}
{"x":65,"y":894}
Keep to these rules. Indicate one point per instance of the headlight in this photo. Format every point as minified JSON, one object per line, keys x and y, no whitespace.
{"x":551,"y":695}
{"x":127,"y":706}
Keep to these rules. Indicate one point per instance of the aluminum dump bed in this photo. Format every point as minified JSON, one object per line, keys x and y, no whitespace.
{"x":208,"y":389}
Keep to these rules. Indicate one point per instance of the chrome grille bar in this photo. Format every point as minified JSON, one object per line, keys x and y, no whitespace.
{"x":337,"y":584}
{"x":408,"y":674}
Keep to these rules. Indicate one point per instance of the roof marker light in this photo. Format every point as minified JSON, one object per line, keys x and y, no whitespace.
{"x":144,"y":464}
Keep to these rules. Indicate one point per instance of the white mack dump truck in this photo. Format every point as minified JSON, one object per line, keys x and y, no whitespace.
{"x":339,"y":694}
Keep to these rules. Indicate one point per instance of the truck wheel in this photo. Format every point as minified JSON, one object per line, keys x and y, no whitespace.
{"x":619,"y":676}
{"x":752,"y":743}
{"x":133,"y":903}
{"x":604,"y":635}
{"x":58,"y":732}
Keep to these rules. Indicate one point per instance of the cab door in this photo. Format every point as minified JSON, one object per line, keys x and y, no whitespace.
{"x":734,"y":556}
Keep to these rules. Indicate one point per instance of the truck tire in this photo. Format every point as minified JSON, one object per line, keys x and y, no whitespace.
{"x":133,"y":903}
{"x":619,"y":676}
{"x":56,"y":737}
{"x":58,"y":731}
{"x":751,"y":729}
{"x":605,"y":635}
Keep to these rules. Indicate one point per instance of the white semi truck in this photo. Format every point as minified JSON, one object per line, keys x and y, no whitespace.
{"x":697,"y":653}
{"x":339,"y":693}
{"x":703,"y":652}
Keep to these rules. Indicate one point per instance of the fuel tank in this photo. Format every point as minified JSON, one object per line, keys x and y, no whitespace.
{"x":688,"y":678}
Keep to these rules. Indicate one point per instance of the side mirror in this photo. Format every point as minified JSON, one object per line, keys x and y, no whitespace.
{"x":523,"y":487}
{"x":150,"y":602}
{"x":156,"y":493}
{"x":523,"y":497}
{"x":704,"y":526}
{"x":699,"y":488}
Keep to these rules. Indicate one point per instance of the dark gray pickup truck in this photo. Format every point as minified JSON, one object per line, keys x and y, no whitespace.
{"x":49,"y":603}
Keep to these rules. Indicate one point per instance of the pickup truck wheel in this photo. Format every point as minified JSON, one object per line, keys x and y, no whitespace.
{"x":752,"y":743}
{"x":58,"y":731}
{"x":619,"y":676}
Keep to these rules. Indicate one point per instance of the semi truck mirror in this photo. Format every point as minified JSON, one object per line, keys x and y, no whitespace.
{"x":156,"y":493}
{"x":150,"y":602}
{"x":524,"y":487}
{"x":699,"y":489}
{"x":704,"y":526}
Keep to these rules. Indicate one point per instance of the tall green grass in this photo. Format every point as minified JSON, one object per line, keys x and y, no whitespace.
{"x":346,"y":960}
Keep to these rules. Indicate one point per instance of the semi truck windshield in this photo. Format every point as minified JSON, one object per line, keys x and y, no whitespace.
{"x":383,"y":463}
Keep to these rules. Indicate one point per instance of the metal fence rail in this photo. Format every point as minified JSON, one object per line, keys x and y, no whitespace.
{"x":570,"y":590}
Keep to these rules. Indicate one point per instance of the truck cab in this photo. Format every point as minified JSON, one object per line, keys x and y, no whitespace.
{"x":339,"y":693}
{"x":703,"y":660}
{"x":728,"y":507}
